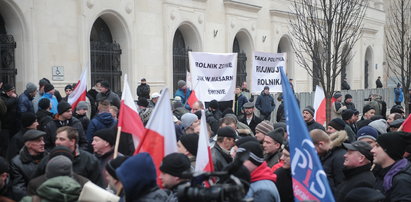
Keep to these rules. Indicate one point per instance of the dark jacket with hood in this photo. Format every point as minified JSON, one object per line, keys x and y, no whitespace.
{"x":43,"y":118}
{"x":354,"y":178}
{"x":52,"y":127}
{"x":22,"y":168}
{"x":143,"y":90}
{"x":109,"y":96}
{"x":25,"y":103}
{"x":84,"y":120}
{"x":138,"y":176}
{"x":265,"y":103}
{"x":100,"y":121}
{"x":333,"y":161}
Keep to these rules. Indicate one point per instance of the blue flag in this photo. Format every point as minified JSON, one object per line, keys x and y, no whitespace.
{"x":309,"y":179}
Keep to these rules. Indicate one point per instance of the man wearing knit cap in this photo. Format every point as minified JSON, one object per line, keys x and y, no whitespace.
{"x":221,"y":151}
{"x":272,"y":146}
{"x":335,"y":125}
{"x":189,"y":121}
{"x":357,"y":169}
{"x":188,"y":145}
{"x":64,"y":118}
{"x":380,"y":125}
{"x":81,"y":114}
{"x":183,"y":92}
{"x":172,"y":168}
{"x":250,"y":119}
{"x":368,"y":134}
{"x":25,"y":103}
{"x":262,"y":187}
{"x":262,"y":130}
{"x":350,"y":119}
{"x":367,"y":112}
{"x":24,"y":164}
{"x":103,"y":147}
{"x":49,"y":94}
{"x":28,"y":122}
{"x":394,"y":179}
{"x":337,"y":107}
{"x":348,"y":102}
{"x":106,"y":94}
{"x":265,"y":104}
{"x":114,"y":183}
{"x":308,"y":115}
{"x":102,"y":120}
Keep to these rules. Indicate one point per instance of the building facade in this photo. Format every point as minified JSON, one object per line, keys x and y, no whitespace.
{"x":57,"y":39}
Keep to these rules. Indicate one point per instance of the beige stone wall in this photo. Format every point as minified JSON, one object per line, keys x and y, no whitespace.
{"x":57,"y":33}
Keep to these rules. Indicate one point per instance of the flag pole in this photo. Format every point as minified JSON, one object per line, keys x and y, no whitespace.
{"x":117,"y":142}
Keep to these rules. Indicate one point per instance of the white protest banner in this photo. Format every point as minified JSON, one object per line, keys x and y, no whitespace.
{"x":213,"y":75}
{"x":266,"y":71}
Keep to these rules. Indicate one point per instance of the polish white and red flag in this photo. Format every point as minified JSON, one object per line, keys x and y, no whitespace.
{"x":159,"y":139}
{"x":204,"y":161}
{"x":129,"y":120}
{"x":192,"y":98}
{"x":80,"y":91}
{"x":319,"y":105}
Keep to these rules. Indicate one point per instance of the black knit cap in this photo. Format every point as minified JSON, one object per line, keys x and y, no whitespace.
{"x":347,"y":114}
{"x":68,"y":86}
{"x":255,"y":150}
{"x":61,"y":150}
{"x":190,"y":142}
{"x":366,"y":108}
{"x":337,"y":124}
{"x":27,"y":118}
{"x":107,"y":134}
{"x":277,"y":135}
{"x":226,"y":132}
{"x":8,"y":87}
{"x":245,"y":139}
{"x":44,"y":103}
{"x":347,"y":96}
{"x":4,"y":166}
{"x":394,"y":143}
{"x":175,"y":164}
{"x":214,"y":104}
{"x":48,"y":87}
{"x":113,"y":164}
{"x":105,"y":84}
{"x":142,"y":101}
{"x":63,"y":107}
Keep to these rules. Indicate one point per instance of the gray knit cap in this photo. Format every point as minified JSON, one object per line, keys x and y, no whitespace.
{"x":181,"y":83}
{"x":31,"y":87}
{"x":59,"y":166}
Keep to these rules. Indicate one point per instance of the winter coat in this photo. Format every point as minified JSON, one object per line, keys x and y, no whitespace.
{"x":183,"y":94}
{"x":53,"y":101}
{"x":345,"y":86}
{"x":143,"y":91}
{"x":100,"y":121}
{"x":85,"y":121}
{"x":22,"y":168}
{"x":16,"y":143}
{"x":333,"y":161}
{"x":35,"y":183}
{"x":138,"y":176}
{"x":240,"y":100}
{"x":336,"y":110}
{"x":57,"y":189}
{"x":25,"y":103}
{"x":84,"y":164}
{"x":284,"y":184}
{"x":220,"y":158}
{"x":272,"y":159}
{"x":378,"y":83}
{"x":9,"y":120}
{"x":280,"y":113}
{"x":314,"y":125}
{"x":400,"y":177}
{"x":399,"y":95}
{"x":265,"y":104}
{"x":103,"y":160}
{"x":262,"y":187}
{"x":253,"y":123}
{"x":354,"y":178}
{"x":52,"y":127}
{"x":43,"y":118}
{"x":109,"y":96}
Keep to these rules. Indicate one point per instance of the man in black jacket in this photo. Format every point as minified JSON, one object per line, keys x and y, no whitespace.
{"x":221,"y":151}
{"x":308,"y":115}
{"x":250,"y":119}
{"x":357,"y":169}
{"x":143,"y":90}
{"x":106,"y":94}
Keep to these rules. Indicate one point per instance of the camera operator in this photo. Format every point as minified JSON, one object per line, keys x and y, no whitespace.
{"x":171,"y":168}
{"x":262,"y":187}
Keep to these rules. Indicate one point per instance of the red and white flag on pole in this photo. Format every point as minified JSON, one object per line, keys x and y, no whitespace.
{"x":192,"y":98}
{"x":204,"y":161}
{"x":319,"y":105}
{"x":80,"y":91}
{"x":159,"y":139}
{"x":129,"y":120}
{"x":406,"y":125}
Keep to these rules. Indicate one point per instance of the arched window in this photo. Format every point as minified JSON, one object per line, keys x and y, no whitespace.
{"x":8,"y":69}
{"x":180,"y":58}
{"x":241,"y":63}
{"x":105,"y":56}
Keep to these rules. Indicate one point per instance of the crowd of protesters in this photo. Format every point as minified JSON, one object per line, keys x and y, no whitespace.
{"x":50,"y":151}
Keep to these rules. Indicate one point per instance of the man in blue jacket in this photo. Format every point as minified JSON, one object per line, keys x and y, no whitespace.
{"x":265,"y":104}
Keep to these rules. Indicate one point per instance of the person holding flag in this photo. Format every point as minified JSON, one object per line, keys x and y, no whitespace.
{"x":183,"y":92}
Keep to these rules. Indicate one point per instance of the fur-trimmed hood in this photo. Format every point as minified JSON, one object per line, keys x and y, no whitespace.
{"x":338,"y":138}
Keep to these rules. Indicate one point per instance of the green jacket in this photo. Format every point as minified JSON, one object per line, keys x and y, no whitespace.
{"x":56,"y":189}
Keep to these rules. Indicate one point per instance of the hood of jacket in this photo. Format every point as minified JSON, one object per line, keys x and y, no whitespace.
{"x":338,"y":138}
{"x":263,"y":172}
{"x":138,"y":175}
{"x":61,"y":188}
{"x":105,"y":118}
